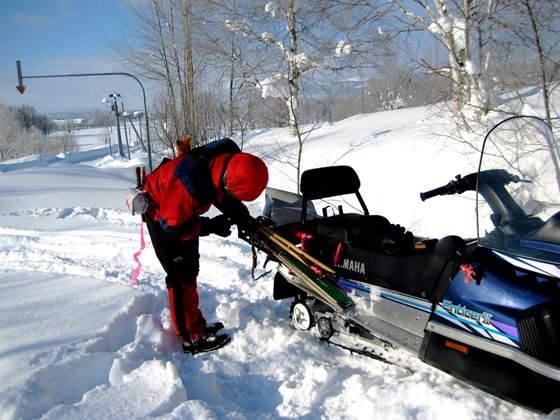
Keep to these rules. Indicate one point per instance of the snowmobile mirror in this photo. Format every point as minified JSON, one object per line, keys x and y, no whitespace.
{"x":450,"y":247}
{"x":496,"y":219}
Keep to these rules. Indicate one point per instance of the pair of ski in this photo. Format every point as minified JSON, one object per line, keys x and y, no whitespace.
{"x":310,"y":274}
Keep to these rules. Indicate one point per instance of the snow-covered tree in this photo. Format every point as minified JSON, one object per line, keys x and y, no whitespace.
{"x":19,"y":136}
{"x":28,"y":118}
{"x":9,"y":131}
{"x":465,"y":29}
{"x":300,"y":37}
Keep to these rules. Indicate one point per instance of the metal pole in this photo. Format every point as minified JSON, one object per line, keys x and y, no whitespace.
{"x":140,"y":127}
{"x":21,"y":77}
{"x":116,"y":107}
{"x":138,"y":136}
{"x":125,"y":132}
{"x":109,"y":138}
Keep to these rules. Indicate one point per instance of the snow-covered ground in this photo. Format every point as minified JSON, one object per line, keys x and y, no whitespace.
{"x":78,"y":341}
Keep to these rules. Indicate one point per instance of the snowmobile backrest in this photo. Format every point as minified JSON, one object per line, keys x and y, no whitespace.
{"x":329,"y":181}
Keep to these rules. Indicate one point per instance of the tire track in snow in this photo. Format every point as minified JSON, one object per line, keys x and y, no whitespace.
{"x":60,"y":379}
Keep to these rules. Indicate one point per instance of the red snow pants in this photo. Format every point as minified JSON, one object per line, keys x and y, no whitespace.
{"x":183,"y":300}
{"x":180,"y":260}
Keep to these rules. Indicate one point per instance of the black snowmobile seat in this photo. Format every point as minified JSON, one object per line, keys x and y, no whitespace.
{"x":374,"y":232}
{"x":372,"y":239}
{"x":371,"y":232}
{"x":339,"y":227}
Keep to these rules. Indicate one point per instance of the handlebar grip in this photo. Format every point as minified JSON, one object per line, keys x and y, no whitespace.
{"x":432,"y":193}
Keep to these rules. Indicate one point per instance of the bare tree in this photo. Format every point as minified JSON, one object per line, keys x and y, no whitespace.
{"x":222,"y":48}
{"x":162,"y":118}
{"x":163,"y":46}
{"x":66,"y":143}
{"x":535,"y":24}
{"x":101,"y":118}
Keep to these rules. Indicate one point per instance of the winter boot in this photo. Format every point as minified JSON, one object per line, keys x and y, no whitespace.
{"x":205,"y":343}
{"x":213,"y":327}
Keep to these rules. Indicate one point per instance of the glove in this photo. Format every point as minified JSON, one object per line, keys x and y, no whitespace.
{"x":219,"y":225}
{"x":234,"y":209}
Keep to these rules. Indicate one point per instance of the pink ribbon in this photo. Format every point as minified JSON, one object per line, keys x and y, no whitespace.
{"x":137,"y":254}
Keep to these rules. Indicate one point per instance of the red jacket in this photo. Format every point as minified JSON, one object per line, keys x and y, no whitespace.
{"x":182,"y":189}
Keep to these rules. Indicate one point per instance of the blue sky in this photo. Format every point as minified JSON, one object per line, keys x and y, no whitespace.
{"x":63,"y":37}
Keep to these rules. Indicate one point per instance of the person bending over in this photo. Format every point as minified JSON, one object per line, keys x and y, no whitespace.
{"x":179,"y":192}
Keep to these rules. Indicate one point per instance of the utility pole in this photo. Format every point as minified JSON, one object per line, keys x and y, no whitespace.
{"x":115,"y":108}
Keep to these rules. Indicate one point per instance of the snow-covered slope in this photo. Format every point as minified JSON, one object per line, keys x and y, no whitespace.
{"x":78,"y":341}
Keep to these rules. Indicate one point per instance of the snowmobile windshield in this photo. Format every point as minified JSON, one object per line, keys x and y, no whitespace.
{"x":518,"y":190}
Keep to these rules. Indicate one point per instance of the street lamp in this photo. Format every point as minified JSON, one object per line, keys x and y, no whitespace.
{"x":112,"y":99}
{"x":21,"y":88}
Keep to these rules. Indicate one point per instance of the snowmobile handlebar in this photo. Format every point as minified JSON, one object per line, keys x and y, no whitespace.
{"x":493,"y":178}
{"x":435,"y":192}
{"x":456,"y":186}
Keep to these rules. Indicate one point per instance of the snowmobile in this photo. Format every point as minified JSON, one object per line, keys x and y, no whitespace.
{"x":484,"y":309}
